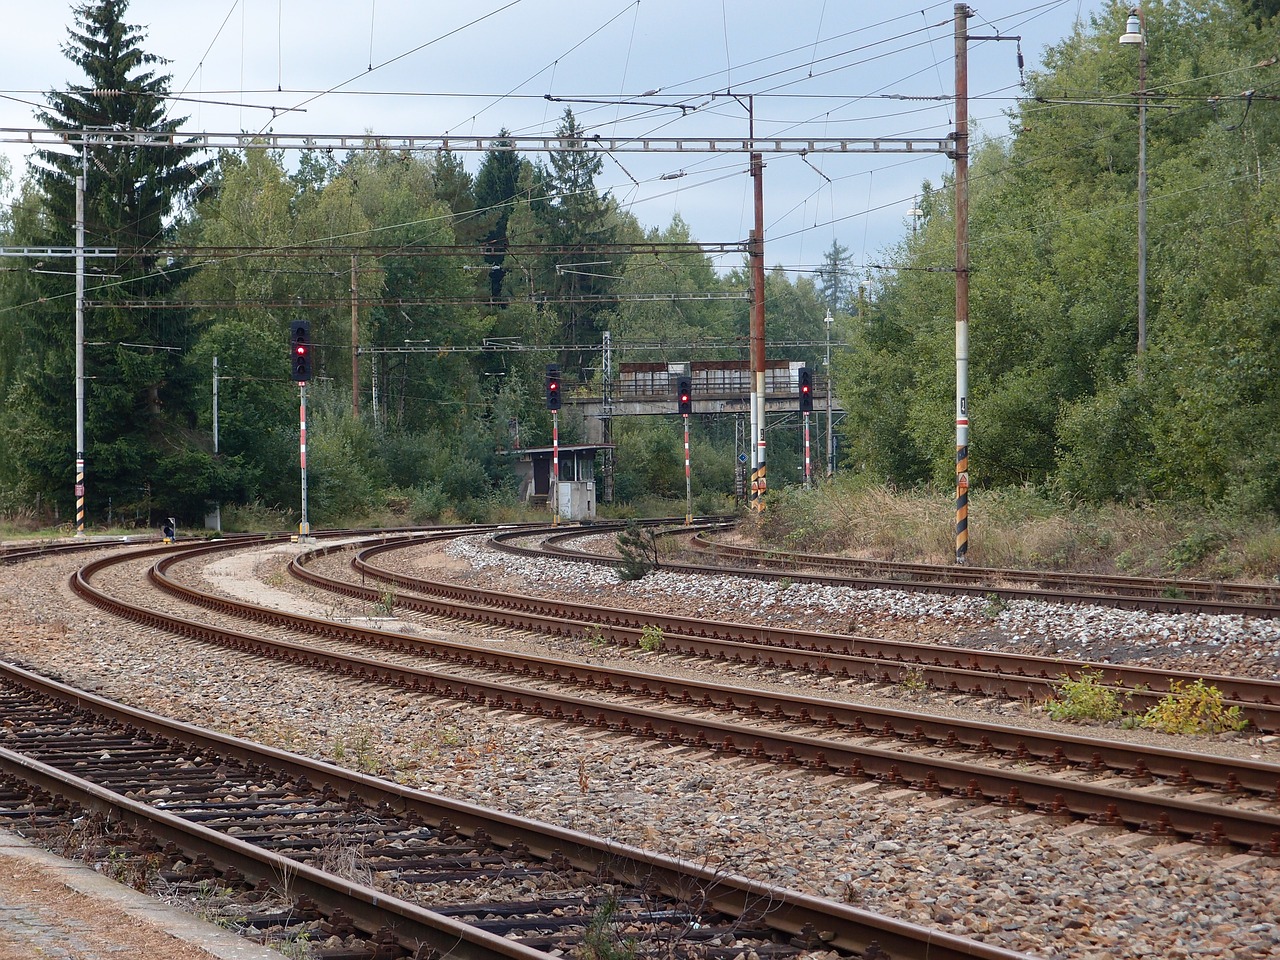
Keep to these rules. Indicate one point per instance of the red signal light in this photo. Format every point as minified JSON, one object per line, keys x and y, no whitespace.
{"x":553,"y":386}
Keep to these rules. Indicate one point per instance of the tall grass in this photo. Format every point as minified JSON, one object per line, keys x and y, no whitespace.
{"x":1019,"y":528}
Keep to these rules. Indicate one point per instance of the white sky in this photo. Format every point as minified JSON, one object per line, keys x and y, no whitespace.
{"x":820,"y":68}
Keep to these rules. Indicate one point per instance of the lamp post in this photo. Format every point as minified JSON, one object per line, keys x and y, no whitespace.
{"x":1136,"y":33}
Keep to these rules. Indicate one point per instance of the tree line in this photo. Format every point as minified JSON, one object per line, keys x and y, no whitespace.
{"x":1061,"y":398}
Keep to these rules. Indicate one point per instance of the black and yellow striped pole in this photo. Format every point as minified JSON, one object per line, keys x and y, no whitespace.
{"x":962,"y":283}
{"x":79,"y":491}
{"x":79,"y":488}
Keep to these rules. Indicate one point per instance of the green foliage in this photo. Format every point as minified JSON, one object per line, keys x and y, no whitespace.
{"x":994,"y":606}
{"x":1059,"y":395}
{"x":1193,"y":708}
{"x":638,"y":548}
{"x":1084,"y":698}
{"x":602,"y":941}
{"x":651,"y":638}
{"x":139,"y":403}
{"x":1061,"y":403}
{"x":913,"y":681}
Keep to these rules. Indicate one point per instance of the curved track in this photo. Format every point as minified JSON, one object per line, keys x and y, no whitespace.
{"x":197,"y":799}
{"x":1233,"y":803}
{"x":959,"y":669}
{"x":1165,"y":595}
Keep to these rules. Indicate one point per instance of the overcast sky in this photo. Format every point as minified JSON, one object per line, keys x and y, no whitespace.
{"x":816,"y":68}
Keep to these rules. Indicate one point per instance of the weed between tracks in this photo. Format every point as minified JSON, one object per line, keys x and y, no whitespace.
{"x":1188,"y":708}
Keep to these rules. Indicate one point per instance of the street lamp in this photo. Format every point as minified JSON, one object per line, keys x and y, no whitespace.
{"x":1136,"y":33}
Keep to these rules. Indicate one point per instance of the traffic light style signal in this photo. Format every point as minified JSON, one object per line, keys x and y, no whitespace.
{"x":300,"y":350}
{"x":553,"y":386}
{"x":806,"y":390}
{"x":684,"y":395}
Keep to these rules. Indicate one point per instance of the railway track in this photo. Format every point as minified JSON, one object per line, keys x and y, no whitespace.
{"x":1166,"y":595}
{"x":435,"y":876}
{"x":956,"y":669}
{"x":1195,"y":796}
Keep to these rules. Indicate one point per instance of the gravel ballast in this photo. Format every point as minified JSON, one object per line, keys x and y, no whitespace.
{"x":1023,"y":881}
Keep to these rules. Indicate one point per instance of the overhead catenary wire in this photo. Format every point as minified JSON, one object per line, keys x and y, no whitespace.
{"x":687,"y":183}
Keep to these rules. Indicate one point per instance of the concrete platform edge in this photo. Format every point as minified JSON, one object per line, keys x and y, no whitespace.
{"x":174,"y":921}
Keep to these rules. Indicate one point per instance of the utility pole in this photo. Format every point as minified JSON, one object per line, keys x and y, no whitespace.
{"x":759,"y":471}
{"x":606,"y":413}
{"x":1136,"y":33}
{"x":217,"y":507}
{"x":963,"y":12}
{"x":80,"y":451}
{"x":304,"y":524}
{"x":831,"y":456}
{"x":355,"y":344}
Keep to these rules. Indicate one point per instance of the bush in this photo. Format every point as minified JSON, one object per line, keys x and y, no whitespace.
{"x":651,"y":639}
{"x":638,"y":548}
{"x":1084,"y":699}
{"x":1193,"y":708}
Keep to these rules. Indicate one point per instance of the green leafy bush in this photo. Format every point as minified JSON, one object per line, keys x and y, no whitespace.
{"x":651,"y":639}
{"x":1193,"y":708}
{"x":1085,"y":698}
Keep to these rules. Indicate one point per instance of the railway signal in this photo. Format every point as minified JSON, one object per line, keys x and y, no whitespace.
{"x":300,"y":350}
{"x":684,"y":395}
{"x":806,"y":390}
{"x":553,"y":386}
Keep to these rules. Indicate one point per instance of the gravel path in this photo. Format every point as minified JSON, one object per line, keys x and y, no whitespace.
{"x":1020,"y":880}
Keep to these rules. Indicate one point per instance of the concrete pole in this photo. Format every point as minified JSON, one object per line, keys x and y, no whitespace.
{"x":304,"y":525}
{"x":80,"y":451}
{"x":759,"y":469}
{"x":962,"y":13}
{"x":688,"y":485}
{"x":217,"y":507}
{"x":355,"y":344}
{"x":1142,"y":186}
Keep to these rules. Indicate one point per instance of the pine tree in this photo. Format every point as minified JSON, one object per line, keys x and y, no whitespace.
{"x":578,"y":217}
{"x":138,"y":405}
{"x":497,"y":186}
{"x":835,"y":278}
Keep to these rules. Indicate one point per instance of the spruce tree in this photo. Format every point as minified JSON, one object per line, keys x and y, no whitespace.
{"x":579,"y":218}
{"x":140,"y":458}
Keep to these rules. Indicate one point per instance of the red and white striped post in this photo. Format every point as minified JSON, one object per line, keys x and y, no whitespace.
{"x":808,"y":464}
{"x":555,"y":468}
{"x":688,"y":487}
{"x":304,"y":527}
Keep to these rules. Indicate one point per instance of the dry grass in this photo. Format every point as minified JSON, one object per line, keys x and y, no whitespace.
{"x":1018,"y":529}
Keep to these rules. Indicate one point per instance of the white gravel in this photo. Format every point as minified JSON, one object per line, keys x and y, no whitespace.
{"x":1070,"y":631}
{"x":1023,"y":881}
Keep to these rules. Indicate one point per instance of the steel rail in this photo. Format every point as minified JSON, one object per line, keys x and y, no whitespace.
{"x":1259,"y":830}
{"x":841,"y":926}
{"x":1261,"y":600}
{"x":960,"y":669}
{"x":1144,"y":684}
